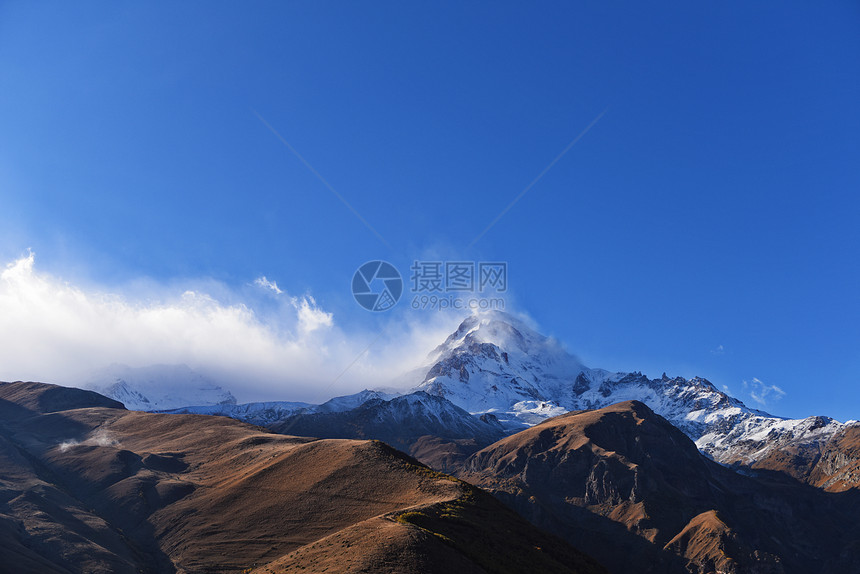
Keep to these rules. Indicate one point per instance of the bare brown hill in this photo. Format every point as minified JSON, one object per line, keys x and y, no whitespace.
{"x":102,"y":489}
{"x":633,"y":491}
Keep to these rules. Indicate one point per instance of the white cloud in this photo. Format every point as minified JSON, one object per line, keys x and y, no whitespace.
{"x":266,"y":284}
{"x":719,"y":350}
{"x":55,"y":331}
{"x":761,"y":392}
{"x":311,"y":317}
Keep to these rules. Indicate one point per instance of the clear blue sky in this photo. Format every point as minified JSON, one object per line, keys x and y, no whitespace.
{"x":715,"y":203}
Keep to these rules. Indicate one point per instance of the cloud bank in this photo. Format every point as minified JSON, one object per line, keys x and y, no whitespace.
{"x":54,"y":331}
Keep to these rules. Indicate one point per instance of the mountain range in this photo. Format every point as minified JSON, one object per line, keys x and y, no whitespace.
{"x":659,"y":475}
{"x":87,"y":486}
{"x":509,"y":377}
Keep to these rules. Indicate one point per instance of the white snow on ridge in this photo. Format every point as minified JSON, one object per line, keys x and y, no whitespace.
{"x":349,"y":402}
{"x":751,"y":438}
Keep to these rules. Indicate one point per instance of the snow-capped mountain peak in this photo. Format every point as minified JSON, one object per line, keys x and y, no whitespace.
{"x":494,"y":360}
{"x":495,"y":363}
{"x":505,"y":332}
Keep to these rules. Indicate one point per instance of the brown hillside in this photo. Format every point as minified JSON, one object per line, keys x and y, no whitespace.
{"x":101,"y":489}
{"x":631,"y":489}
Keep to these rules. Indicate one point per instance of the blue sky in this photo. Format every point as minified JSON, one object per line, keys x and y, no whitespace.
{"x":705,"y":225}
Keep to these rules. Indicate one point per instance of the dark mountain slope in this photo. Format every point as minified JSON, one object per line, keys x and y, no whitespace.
{"x":401,"y":422}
